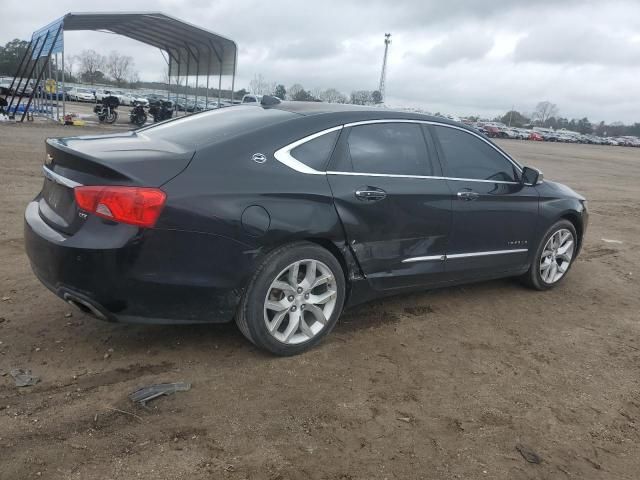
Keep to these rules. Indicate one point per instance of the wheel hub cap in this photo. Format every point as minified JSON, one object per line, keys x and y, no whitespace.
{"x":556,"y":256}
{"x":300,"y":301}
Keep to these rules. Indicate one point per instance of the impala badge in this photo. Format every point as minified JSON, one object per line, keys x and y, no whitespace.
{"x":259,"y":157}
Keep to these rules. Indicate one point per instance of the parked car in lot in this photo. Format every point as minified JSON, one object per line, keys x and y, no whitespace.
{"x":280,"y":216}
{"x":252,"y":99}
{"x":130,"y":98}
{"x":536,"y":136}
{"x":79,"y":94}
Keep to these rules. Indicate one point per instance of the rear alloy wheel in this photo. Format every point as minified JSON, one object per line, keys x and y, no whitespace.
{"x":294,"y":299}
{"x":300,"y":301}
{"x":554,"y":256}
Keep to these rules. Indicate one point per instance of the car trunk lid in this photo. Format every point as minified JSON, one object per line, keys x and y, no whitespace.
{"x":128,"y":159}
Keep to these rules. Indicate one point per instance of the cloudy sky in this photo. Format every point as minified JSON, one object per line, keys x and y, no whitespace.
{"x":456,"y":56}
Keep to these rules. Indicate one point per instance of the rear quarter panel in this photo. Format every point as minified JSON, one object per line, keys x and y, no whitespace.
{"x":222,"y":182}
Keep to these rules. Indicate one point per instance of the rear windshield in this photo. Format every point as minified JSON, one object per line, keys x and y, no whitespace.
{"x":215,"y":125}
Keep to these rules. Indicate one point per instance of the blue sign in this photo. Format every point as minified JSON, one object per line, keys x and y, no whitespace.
{"x":40,"y":36}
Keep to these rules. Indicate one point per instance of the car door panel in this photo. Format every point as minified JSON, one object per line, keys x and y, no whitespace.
{"x":400,"y":240}
{"x":494,"y":216}
{"x":492,"y":233}
{"x":397,"y":224}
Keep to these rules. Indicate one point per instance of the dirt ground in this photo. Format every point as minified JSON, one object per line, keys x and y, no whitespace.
{"x":437,"y":385}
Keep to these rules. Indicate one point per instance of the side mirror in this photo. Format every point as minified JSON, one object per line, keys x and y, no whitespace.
{"x":531,"y":176}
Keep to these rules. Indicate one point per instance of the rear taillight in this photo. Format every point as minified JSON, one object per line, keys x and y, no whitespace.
{"x":139,"y":206}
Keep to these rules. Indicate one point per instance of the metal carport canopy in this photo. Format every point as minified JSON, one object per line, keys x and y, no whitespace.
{"x":192,"y":50}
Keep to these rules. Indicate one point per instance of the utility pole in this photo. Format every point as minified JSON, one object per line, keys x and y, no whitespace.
{"x":383,"y":74}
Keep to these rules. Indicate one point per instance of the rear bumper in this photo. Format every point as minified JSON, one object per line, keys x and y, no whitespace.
{"x":121,"y":273}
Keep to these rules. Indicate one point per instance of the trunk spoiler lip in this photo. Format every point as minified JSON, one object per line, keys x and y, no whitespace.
{"x":57,"y":178}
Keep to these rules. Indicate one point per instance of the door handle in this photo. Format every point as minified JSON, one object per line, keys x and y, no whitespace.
{"x":370,"y":194}
{"x":468,"y":196}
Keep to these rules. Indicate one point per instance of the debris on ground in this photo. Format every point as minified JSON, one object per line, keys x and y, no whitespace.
{"x":528,"y":454}
{"x":145,"y":394}
{"x":608,"y":240}
{"x":23,"y":378}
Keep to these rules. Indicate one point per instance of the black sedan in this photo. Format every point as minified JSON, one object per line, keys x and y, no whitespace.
{"x":280,"y":216}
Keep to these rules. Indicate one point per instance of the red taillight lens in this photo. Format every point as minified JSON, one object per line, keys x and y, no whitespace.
{"x":133,"y":205}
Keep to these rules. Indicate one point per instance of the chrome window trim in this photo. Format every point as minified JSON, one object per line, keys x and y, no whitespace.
{"x":392,"y":175}
{"x":284,"y":156}
{"x":462,"y":255}
{"x":55,"y":177}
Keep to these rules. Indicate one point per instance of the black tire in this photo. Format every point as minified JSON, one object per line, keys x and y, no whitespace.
{"x":250,"y":315}
{"x":533,"y":277}
{"x":140,"y":120}
{"x":111,"y":118}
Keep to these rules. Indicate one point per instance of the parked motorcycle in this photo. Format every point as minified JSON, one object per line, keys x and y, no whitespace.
{"x":107,"y":111}
{"x":138,"y":115}
{"x":161,"y":110}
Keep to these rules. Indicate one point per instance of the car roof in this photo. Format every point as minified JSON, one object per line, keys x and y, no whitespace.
{"x":356,"y":112}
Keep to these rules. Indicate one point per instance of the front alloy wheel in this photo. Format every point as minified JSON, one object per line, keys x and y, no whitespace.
{"x":556,"y":256}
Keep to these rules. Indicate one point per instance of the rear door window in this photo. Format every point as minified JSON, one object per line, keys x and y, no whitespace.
{"x":387,"y":148}
{"x":469,"y":157}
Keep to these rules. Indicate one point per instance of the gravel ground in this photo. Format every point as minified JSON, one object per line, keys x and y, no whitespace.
{"x":440,"y":385}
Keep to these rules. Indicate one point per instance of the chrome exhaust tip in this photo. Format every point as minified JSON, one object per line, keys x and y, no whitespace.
{"x":84,"y":306}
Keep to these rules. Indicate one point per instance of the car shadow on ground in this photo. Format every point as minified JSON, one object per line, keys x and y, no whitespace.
{"x":226,"y":339}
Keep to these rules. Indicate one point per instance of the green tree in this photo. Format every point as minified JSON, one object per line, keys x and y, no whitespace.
{"x":94,"y":77}
{"x":376,"y":96}
{"x":544,"y":111}
{"x":280,"y":91}
{"x":302,"y":96}
{"x":10,"y":56}
{"x":361,"y":97}
{"x":514,"y":118}
{"x":634,"y":129}
{"x":584,"y":126}
{"x":91,"y":65}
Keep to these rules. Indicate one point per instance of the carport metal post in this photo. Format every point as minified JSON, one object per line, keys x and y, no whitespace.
{"x":57,"y":87}
{"x":33,"y":67}
{"x":220,"y":72}
{"x":50,"y":104}
{"x":169,"y":77}
{"x":53,"y":44}
{"x":26,"y":67}
{"x":64,"y":92}
{"x":195,"y":102}
{"x":186,"y":82}
{"x":175,"y":104}
{"x":206,"y":94}
{"x":233,"y":77}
